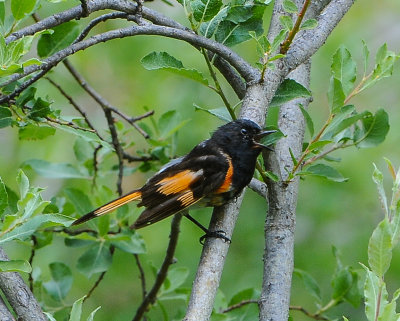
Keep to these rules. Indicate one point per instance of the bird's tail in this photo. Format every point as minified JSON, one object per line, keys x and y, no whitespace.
{"x":109,"y":207}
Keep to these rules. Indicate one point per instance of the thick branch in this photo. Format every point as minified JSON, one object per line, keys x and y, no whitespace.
{"x":18,"y":295}
{"x":254,"y":107}
{"x":243,"y":67}
{"x":212,"y":262}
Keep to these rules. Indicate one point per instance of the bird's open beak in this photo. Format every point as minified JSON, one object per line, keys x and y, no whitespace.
{"x":259,"y":136}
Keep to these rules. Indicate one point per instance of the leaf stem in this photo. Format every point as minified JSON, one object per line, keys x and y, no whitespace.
{"x":307,"y":150}
{"x":217,"y":85}
{"x":286,"y":44}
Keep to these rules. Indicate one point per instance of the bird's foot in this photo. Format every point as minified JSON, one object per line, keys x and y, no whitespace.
{"x":216,"y":234}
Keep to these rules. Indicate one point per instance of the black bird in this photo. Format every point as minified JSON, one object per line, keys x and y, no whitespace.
{"x":211,"y":174}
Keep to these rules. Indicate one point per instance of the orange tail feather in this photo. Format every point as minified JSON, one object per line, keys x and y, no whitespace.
{"x":109,"y":207}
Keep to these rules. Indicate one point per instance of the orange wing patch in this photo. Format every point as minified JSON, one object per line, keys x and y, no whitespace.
{"x":178,"y":182}
{"x":226,"y":185}
{"x":186,"y":199}
{"x":117,"y":203}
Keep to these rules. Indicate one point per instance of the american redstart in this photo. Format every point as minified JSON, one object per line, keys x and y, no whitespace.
{"x":211,"y":174}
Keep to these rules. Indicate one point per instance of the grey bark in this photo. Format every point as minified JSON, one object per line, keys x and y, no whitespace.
{"x":281,"y":218}
{"x":5,"y":314}
{"x":18,"y":295}
{"x":280,"y":223}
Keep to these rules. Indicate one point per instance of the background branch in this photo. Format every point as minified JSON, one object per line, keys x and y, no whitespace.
{"x":18,"y":295}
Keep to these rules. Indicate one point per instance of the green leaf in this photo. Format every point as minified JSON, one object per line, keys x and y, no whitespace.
{"x":354,"y":294}
{"x":287,"y":91}
{"x":319,"y":144}
{"x":377,"y":177}
{"x":35,"y":132}
{"x":375,"y":129}
{"x":61,"y":282}
{"x":40,"y":109}
{"x":21,"y":8}
{"x":372,"y":288}
{"x":208,"y":29}
{"x":247,"y":294}
{"x":221,"y":113}
{"x":62,"y":37}
{"x":290,"y":6}
{"x":344,"y":69}
{"x":169,"y":123}
{"x":29,"y":227}
{"x":76,"y":311}
{"x":5,"y":117}
{"x":341,"y":284}
{"x":79,"y":199}
{"x":309,"y":24}
{"x":175,"y":278}
{"x":129,"y":242}
{"x":3,"y":197}
{"x":96,"y":259}
{"x":286,"y":22}
{"x":23,"y":184}
{"x":53,"y":170}
{"x":164,"y":61}
{"x":384,"y":63}
{"x":15,"y":266}
{"x":205,"y":10}
{"x":308,"y":119}
{"x":380,"y":248}
{"x":2,"y":12}
{"x":82,"y":150}
{"x":325,"y":171}
{"x":231,"y":33}
{"x":91,"y":316}
{"x":310,"y":285}
{"x":365,"y":56}
{"x":336,"y":95}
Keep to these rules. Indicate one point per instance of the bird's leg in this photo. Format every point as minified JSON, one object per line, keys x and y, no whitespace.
{"x":217,"y":234}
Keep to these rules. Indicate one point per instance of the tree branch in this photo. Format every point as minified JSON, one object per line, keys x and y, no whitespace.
{"x":162,"y":273}
{"x":18,"y":295}
{"x":243,"y":67}
{"x":255,"y":102}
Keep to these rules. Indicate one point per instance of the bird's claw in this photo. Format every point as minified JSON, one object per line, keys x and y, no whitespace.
{"x":220,"y":234}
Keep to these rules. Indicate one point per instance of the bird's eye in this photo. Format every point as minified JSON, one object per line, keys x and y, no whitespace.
{"x":244,"y":132}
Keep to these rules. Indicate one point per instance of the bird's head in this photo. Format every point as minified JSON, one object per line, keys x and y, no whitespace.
{"x":241,"y":133}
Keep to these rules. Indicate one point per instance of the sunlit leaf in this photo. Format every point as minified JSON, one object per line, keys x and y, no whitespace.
{"x":164,"y":61}
{"x":15,"y":266}
{"x":380,"y":249}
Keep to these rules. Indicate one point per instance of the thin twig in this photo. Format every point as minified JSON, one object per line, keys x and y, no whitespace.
{"x":307,"y":313}
{"x":217,"y":85}
{"x":131,"y":158}
{"x":33,"y":252}
{"x":239,"y":305}
{"x":99,"y":279}
{"x":162,"y":273}
{"x":75,"y":105}
{"x":69,"y":124}
{"x":105,"y":105}
{"x":95,"y":165}
{"x":132,"y":120}
{"x":96,"y":21}
{"x":286,"y":44}
{"x":142,"y":275}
